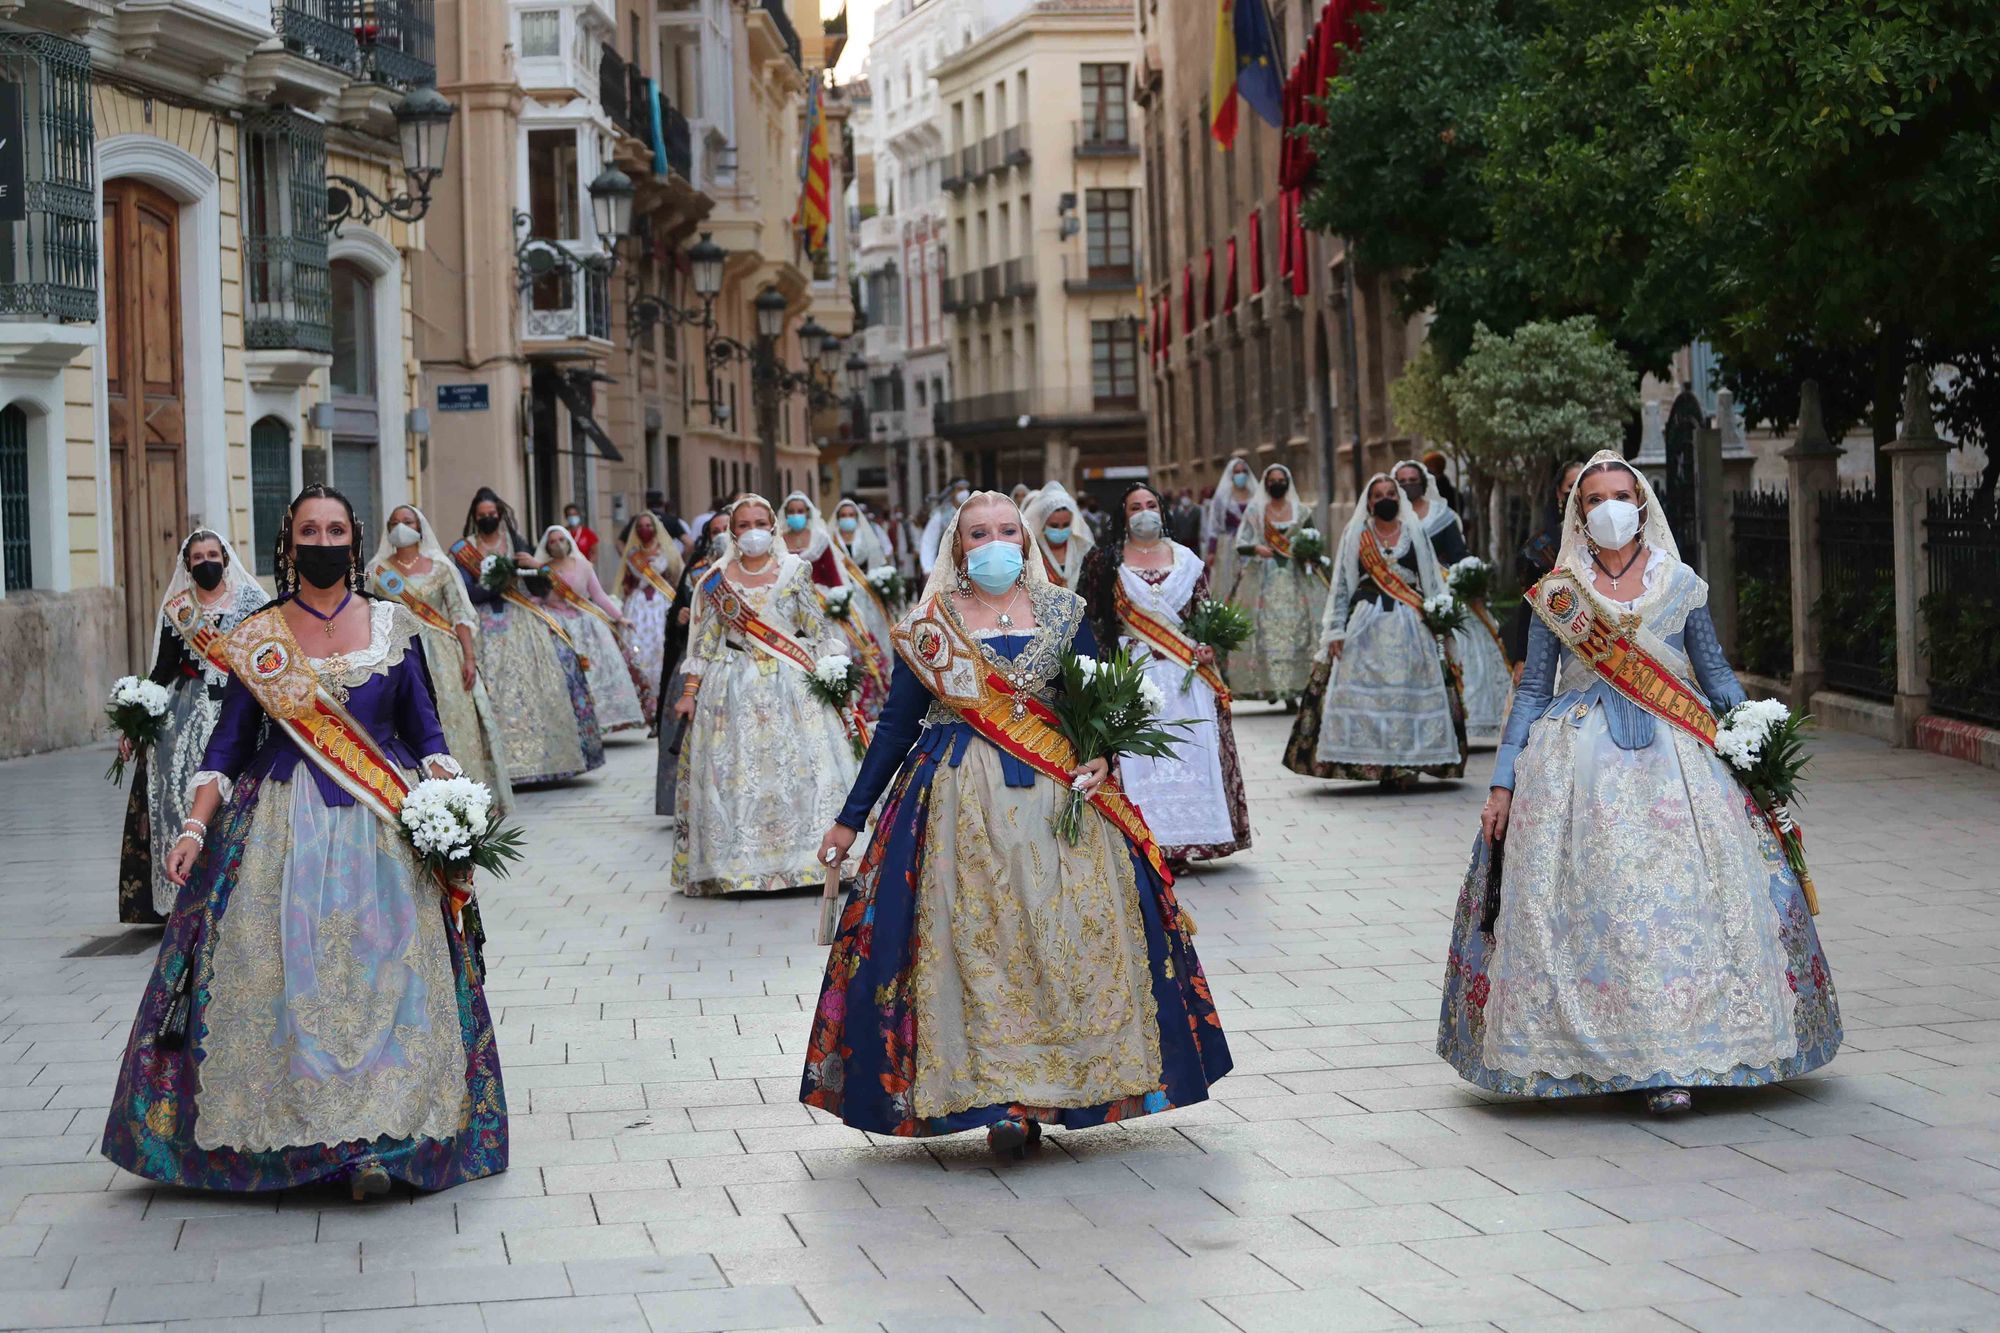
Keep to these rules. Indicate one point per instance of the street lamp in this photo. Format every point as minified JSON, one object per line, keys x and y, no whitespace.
{"x":423,"y":133}
{"x":611,"y":206}
{"x":829,"y":356}
{"x":857,"y":374}
{"x":771,"y":307}
{"x":706,"y":258}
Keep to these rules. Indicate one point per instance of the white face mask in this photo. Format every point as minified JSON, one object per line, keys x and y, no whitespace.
{"x":1145,"y":525}
{"x":402,"y":536}
{"x":754,"y":542}
{"x":1613,"y":523}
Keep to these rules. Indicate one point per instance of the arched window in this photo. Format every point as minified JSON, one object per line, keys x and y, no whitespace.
{"x":16,"y":533}
{"x":270,"y":488}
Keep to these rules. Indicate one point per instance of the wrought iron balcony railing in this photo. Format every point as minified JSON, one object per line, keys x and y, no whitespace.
{"x":321,"y":30}
{"x":288,"y":286}
{"x":48,"y":262}
{"x":398,"y":40}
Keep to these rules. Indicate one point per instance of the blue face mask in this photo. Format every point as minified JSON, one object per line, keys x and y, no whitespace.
{"x":849,"y":524}
{"x":995,"y":567}
{"x":796,"y":522}
{"x":1056,"y":535}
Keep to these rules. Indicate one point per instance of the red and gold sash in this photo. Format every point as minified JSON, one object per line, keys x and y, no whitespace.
{"x":1277,"y":538}
{"x":1622,"y":664}
{"x":739,"y":615}
{"x":392,"y":582}
{"x":1386,"y":576}
{"x":576,"y":599}
{"x":197,"y":631}
{"x":1165,"y":638}
{"x":272,"y":665}
{"x":951,"y":667}
{"x":642,"y":568}
{"x":469,"y":557}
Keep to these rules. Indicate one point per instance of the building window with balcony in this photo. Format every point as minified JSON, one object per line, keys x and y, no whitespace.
{"x":1114,"y":362}
{"x":541,"y":34}
{"x":17,"y":562}
{"x":48,"y":262}
{"x":1108,"y":234}
{"x":284,"y":233}
{"x":1106,"y":114}
{"x":398,"y":41}
{"x":356,"y":469}
{"x":883,"y":296}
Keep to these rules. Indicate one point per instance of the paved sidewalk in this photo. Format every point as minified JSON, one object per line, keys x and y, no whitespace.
{"x":665,"y":1177}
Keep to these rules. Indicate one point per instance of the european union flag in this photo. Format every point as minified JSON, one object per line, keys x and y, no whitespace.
{"x":1260,"y":77}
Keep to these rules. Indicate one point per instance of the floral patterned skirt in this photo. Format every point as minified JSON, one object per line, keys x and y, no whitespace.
{"x":916,"y":1035}
{"x":155,"y":1127}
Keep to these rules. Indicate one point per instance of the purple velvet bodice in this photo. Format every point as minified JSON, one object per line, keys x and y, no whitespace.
{"x":394,"y":704}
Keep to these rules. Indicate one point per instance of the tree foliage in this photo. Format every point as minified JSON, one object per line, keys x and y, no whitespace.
{"x":1547,"y":391}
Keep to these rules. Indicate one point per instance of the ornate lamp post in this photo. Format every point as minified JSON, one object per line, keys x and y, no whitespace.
{"x":423,"y":131}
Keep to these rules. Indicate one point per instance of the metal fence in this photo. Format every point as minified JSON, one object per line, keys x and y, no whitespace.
{"x":1961,"y":607}
{"x":1760,"y":522}
{"x":1856,"y":611}
{"x":48,"y":262}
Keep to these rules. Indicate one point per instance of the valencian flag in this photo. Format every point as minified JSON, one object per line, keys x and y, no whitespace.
{"x":1246,"y":62}
{"x":815,"y":176}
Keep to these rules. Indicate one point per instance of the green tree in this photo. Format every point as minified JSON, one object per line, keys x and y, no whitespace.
{"x":1546,"y":391}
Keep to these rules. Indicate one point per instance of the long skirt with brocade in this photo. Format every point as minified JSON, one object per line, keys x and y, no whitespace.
{"x":333,"y":1024}
{"x":1386,"y":708}
{"x":646,"y":614}
{"x":158,"y":805}
{"x":1485,"y":681}
{"x":764,"y":769}
{"x":536,"y":683}
{"x":466,"y":715}
{"x":1649,"y":932}
{"x":614,"y":691}
{"x":1283,"y":599}
{"x":985,"y":968}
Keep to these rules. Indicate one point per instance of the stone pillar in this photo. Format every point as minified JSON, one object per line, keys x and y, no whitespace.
{"x":1718,"y":544}
{"x":1917,"y":467}
{"x":1813,"y":464}
{"x":1738,"y":462}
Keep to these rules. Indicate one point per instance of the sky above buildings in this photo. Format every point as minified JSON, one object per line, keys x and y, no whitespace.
{"x":860,"y":30}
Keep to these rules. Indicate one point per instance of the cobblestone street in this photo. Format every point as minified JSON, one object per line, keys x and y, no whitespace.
{"x":665,"y":1177}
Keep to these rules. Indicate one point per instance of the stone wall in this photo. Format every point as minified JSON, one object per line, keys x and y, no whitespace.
{"x":59,"y":653}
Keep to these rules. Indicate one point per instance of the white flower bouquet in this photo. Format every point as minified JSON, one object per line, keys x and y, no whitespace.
{"x":1443,"y":614}
{"x":497,"y":573}
{"x":452,"y":826}
{"x":839,"y":603}
{"x":1763,"y":742}
{"x":1109,"y":707}
{"x":888,"y":583}
{"x":1471,"y":579}
{"x":138,"y":711}
{"x":835,"y":681}
{"x":1309,"y":548}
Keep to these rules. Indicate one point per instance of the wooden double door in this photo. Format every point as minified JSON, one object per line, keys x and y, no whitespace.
{"x":145,"y":379}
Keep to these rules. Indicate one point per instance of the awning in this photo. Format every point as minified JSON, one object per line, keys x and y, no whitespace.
{"x":576,"y":390}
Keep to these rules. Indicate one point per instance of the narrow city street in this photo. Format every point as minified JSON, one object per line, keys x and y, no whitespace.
{"x":665,"y":1176}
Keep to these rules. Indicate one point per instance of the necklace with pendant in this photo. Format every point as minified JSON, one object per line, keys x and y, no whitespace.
{"x":1598,"y":559}
{"x":1001,"y":620}
{"x":326,"y":621}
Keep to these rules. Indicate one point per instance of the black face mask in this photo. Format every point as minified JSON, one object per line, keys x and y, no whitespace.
{"x":1385,"y":509}
{"x":487,"y":523}
{"x":323,"y":566}
{"x":207,"y":575}
{"x":1413,"y":489}
{"x":1277,"y":489}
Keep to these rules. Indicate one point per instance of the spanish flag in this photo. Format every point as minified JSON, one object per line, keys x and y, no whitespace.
{"x":815,"y":176}
{"x":1246,"y":62}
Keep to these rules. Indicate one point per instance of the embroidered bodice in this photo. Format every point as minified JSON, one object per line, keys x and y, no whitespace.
{"x":383,"y":686}
{"x":175,"y":664}
{"x":1556,"y":686}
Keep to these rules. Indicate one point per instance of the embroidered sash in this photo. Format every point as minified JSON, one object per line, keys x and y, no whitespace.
{"x":1165,"y":638}
{"x":469,"y":557}
{"x":860,"y":577}
{"x":1277,"y":538}
{"x":272,"y":665}
{"x":1607,"y":649}
{"x":642,"y":569}
{"x":395,"y":585}
{"x":197,"y":631}
{"x":1005,"y":712}
{"x":580,"y":601}
{"x":737,"y":613}
{"x":1385,"y":574}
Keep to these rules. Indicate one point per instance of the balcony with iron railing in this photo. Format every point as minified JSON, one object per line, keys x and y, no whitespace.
{"x":319,"y":30}
{"x":1080,"y":406}
{"x":786,"y":32}
{"x":1105,"y":138}
{"x":288,"y":287}
{"x":48,"y":267}
{"x":397,"y":40}
{"x":568,"y":306}
{"x":614,"y":87}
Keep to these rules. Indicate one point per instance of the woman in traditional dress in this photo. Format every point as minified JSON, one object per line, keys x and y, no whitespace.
{"x":1221,"y":519}
{"x":987,"y":973}
{"x":1537,"y":556}
{"x":765,"y":762}
{"x":805,"y":535}
{"x":653,"y":563}
{"x":1383,"y":706}
{"x":313,"y":1014}
{"x":1064,"y":539}
{"x":533,"y":675}
{"x":210,"y":593}
{"x":1648,"y":935}
{"x":598,"y":630}
{"x":1141,"y":586}
{"x":1281,"y":595}
{"x":412,"y":568}
{"x":1484,"y":678}
{"x":857,"y":536}
{"x":666,"y":771}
